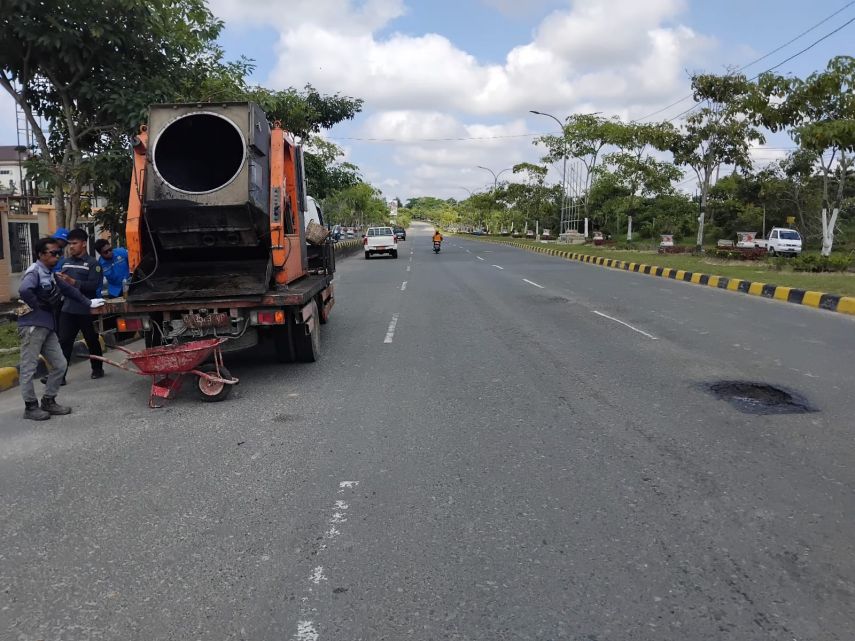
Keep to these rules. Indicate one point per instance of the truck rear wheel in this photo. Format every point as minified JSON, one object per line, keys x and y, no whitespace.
{"x":307,"y":347}
{"x":283,"y":342}
{"x":367,"y":255}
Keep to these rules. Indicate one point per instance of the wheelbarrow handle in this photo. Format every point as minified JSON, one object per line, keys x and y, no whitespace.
{"x":123,"y":349}
{"x":215,"y":379}
{"x":115,"y":364}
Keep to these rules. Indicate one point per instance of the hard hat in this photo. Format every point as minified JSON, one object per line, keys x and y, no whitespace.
{"x":61,"y":234}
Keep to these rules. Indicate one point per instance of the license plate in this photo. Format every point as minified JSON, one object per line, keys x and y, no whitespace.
{"x":197,"y":321}
{"x":381,"y":246}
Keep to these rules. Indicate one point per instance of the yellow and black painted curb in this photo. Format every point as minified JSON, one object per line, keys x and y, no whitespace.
{"x":820,"y":300}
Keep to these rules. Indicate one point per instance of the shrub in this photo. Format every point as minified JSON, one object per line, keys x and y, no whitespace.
{"x":814,"y":263}
{"x":734,"y":253}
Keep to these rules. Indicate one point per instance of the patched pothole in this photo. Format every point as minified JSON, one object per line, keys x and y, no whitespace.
{"x":760,"y":398}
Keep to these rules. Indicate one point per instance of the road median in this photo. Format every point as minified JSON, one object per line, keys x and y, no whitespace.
{"x":798,"y":296}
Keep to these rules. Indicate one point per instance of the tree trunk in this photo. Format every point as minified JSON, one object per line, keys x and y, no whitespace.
{"x":828,"y":230}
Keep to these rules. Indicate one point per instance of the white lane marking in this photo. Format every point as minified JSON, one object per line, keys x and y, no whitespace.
{"x":479,"y":258}
{"x":408,"y":268}
{"x":306,"y":631}
{"x":468,"y":252}
{"x":526,"y":280}
{"x":404,"y":286}
{"x":498,"y":267}
{"x":411,"y":258}
{"x":317,"y":575}
{"x":390,"y":333}
{"x":617,"y":320}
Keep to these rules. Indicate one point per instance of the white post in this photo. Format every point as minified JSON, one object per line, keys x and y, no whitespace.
{"x":586,"y":227}
{"x":629,"y":228}
{"x":537,"y":229}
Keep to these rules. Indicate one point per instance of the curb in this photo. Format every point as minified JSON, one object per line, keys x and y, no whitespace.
{"x":819,"y":300}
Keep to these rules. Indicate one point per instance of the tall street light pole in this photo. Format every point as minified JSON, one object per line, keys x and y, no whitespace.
{"x":495,"y":176}
{"x":563,"y":170}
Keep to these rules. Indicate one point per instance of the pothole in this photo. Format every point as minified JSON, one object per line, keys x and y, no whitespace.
{"x":759,"y":398}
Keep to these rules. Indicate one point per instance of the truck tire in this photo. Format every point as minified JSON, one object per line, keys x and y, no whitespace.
{"x":209,"y":391}
{"x":367,"y":255}
{"x":308,"y":347}
{"x":283,"y":342}
{"x":395,"y":253}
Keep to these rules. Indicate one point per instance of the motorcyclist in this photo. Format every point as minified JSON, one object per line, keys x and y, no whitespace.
{"x":437,"y":237}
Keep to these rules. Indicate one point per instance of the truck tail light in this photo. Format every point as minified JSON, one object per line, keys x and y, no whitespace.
{"x":131,"y":324}
{"x":267,"y":317}
{"x":365,"y":240}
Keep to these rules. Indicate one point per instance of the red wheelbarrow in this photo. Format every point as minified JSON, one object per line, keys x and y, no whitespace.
{"x":167,"y":365}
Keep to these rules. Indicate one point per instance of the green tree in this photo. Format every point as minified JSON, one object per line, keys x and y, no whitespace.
{"x":90,"y":69}
{"x":715,"y":134}
{"x":357,"y":206}
{"x":819,"y":113}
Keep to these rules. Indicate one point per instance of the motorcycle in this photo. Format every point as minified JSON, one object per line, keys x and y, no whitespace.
{"x":437,"y":245}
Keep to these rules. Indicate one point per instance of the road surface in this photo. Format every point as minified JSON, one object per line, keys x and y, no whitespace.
{"x":495,"y":445}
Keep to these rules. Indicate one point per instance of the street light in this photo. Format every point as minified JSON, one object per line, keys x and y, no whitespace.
{"x":564,"y":167}
{"x":564,"y":154}
{"x":495,"y":176}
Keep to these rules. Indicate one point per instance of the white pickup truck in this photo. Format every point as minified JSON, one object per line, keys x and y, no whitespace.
{"x":380,"y":240}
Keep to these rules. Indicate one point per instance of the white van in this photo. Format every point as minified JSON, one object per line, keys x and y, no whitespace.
{"x":784,"y":242}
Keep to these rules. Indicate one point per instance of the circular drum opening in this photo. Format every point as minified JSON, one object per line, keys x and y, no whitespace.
{"x":199,"y":153}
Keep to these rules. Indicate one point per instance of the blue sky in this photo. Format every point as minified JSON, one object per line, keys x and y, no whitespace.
{"x":474,"y":68}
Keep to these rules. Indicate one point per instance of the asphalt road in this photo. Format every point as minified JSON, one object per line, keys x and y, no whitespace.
{"x":495,"y":445}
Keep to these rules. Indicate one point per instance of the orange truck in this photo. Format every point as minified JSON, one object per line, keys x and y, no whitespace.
{"x":217,"y":234}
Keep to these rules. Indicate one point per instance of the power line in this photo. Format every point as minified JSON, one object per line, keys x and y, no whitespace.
{"x":414,"y":140}
{"x":763,"y":57}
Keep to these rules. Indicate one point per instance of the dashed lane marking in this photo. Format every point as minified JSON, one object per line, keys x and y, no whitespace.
{"x":617,"y":320}
{"x":498,"y":267}
{"x":404,"y":286}
{"x":526,"y":280}
{"x":479,"y":258}
{"x":390,"y":333}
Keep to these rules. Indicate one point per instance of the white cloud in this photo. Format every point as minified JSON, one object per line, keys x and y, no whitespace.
{"x":611,"y":53}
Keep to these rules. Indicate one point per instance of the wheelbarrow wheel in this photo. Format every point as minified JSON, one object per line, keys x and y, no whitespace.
{"x":212,"y":391}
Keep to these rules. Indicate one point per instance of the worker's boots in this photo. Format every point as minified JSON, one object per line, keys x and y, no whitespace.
{"x":35,"y":413}
{"x":53,"y":408}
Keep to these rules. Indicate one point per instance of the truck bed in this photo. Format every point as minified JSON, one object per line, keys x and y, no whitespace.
{"x":297,"y":293}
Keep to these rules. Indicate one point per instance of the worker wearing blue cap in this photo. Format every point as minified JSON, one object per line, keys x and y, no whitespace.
{"x":61,"y":238}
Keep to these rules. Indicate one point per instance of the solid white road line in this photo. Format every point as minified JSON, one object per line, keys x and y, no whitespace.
{"x":479,"y":258}
{"x":498,"y":267}
{"x":390,"y":333}
{"x":617,"y":320}
{"x":404,"y":286}
{"x":526,"y":280}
